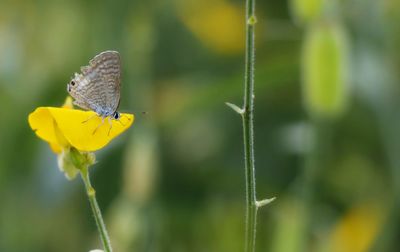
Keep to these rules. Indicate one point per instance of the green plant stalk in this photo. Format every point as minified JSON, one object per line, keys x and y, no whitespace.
{"x":315,"y":160}
{"x":388,"y":129}
{"x":248,"y":132}
{"x":247,"y":114}
{"x":96,"y":210}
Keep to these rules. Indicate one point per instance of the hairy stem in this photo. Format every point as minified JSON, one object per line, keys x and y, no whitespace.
{"x":96,"y":210}
{"x":248,"y":133}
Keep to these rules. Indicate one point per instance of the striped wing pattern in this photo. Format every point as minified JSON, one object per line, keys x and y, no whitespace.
{"x":98,"y":87}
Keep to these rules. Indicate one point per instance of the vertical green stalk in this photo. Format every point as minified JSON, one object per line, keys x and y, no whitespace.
{"x":248,"y":132}
{"x":252,"y":204}
{"x":317,"y":156}
{"x":96,"y":210}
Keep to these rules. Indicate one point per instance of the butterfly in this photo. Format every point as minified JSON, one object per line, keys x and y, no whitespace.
{"x":97,"y":88}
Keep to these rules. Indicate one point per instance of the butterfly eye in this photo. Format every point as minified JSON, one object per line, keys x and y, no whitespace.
{"x":73,"y":83}
{"x":116,"y":115}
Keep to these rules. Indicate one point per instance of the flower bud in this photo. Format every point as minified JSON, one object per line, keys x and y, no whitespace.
{"x":70,"y":161}
{"x":66,"y":166}
{"x":305,"y":11}
{"x":325,"y":70}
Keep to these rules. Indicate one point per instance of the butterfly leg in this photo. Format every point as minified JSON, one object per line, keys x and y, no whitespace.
{"x":90,"y":117}
{"x":98,"y":126}
{"x":119,"y":120}
{"x":110,"y":122}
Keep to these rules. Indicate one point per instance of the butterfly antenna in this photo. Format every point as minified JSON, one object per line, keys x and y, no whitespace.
{"x":135,"y":111}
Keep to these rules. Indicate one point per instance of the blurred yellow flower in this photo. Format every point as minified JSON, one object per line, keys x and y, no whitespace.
{"x":66,"y":127}
{"x":219,"y":24}
{"x":357,"y":229}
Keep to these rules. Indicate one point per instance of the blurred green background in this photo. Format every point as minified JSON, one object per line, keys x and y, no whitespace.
{"x":327,"y":125}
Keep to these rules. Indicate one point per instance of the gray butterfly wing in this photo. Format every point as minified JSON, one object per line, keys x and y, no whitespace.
{"x":98,"y":87}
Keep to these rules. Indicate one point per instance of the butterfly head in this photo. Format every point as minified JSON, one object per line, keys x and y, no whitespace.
{"x":70,"y":85}
{"x":77,"y":79}
{"x":116,"y":115}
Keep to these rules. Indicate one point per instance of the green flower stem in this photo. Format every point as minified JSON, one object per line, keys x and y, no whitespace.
{"x":314,"y":162}
{"x":248,"y":133}
{"x":252,"y":204}
{"x":96,"y":210}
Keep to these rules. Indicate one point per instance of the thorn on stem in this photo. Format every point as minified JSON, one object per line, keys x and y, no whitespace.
{"x":261,"y":203}
{"x":91,"y":191}
{"x":252,"y":20}
{"x":235,"y":108}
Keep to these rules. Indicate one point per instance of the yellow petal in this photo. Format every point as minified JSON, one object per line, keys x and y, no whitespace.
{"x":55,"y":148}
{"x":42,"y":122}
{"x":85,"y":130}
{"x":68,"y":103}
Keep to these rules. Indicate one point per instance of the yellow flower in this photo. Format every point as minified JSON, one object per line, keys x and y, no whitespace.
{"x":357,"y":230}
{"x":219,"y":27}
{"x":66,"y":127}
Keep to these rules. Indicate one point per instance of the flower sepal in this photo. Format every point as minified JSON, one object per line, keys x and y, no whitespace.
{"x":71,"y":161}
